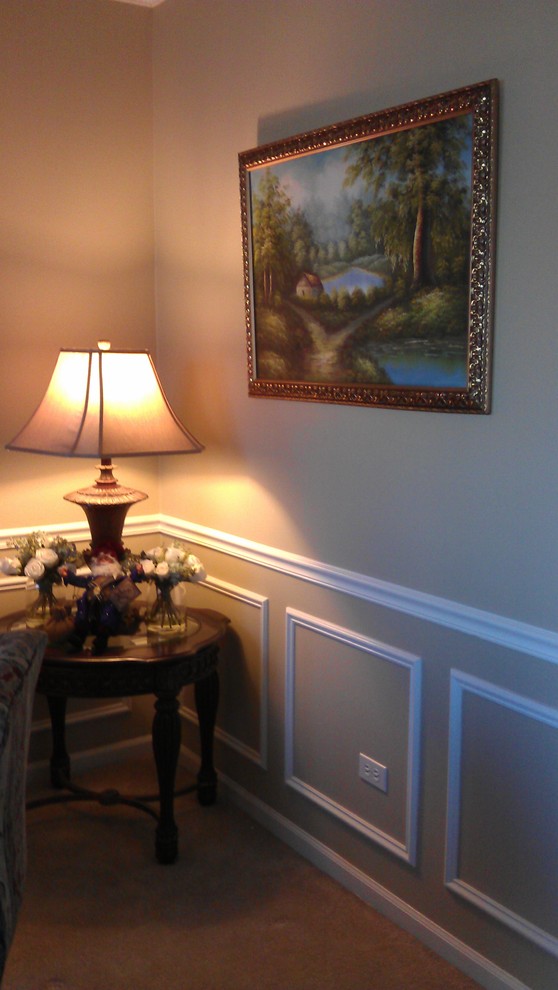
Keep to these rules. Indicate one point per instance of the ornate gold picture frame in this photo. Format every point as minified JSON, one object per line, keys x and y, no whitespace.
{"x":368,"y":257}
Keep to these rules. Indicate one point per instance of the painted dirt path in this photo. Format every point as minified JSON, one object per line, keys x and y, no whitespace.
{"x":323,"y":364}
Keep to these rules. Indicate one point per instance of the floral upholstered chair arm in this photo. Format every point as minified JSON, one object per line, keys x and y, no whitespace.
{"x":21,"y":654}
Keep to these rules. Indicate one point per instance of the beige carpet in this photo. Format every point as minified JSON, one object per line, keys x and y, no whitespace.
{"x":238,"y":911}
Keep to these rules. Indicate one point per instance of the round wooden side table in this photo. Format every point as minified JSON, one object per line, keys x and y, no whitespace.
{"x":138,"y":665}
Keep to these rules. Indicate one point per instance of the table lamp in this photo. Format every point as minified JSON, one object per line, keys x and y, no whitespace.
{"x":105,"y":403}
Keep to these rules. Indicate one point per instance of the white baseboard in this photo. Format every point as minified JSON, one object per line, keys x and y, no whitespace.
{"x":325,"y":859}
{"x":454,"y":951}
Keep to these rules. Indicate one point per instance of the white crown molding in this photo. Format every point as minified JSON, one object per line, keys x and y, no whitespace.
{"x":509,"y":633}
{"x":142,"y":3}
{"x":79,"y":531}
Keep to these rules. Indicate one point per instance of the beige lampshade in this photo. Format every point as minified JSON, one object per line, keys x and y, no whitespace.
{"x":104,"y":403}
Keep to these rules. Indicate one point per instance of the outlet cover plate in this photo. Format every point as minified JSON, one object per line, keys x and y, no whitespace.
{"x":372,"y":772}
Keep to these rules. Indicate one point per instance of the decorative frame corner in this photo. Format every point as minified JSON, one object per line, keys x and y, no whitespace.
{"x":420,"y":337}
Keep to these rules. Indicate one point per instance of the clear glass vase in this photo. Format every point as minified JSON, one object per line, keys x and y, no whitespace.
{"x":167,"y":615}
{"x":39,"y":603}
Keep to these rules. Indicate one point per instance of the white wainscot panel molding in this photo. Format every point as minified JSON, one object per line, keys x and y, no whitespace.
{"x":312,"y":705}
{"x":503,"y":807}
{"x":248,"y":611}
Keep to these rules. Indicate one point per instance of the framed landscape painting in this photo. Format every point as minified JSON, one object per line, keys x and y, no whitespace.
{"x":368,"y":257}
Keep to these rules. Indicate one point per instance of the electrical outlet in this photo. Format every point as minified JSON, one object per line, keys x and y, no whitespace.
{"x":373,"y":772}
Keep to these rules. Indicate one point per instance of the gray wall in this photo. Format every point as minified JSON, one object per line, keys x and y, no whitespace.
{"x":367,"y":549}
{"x":76,"y":218}
{"x":390,"y":575}
{"x":459,"y":506}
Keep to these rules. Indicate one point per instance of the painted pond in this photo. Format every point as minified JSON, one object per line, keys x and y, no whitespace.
{"x":352,"y":278}
{"x":418,"y":366}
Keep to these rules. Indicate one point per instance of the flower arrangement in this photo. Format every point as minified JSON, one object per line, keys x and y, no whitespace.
{"x":166,"y":567}
{"x":38,"y":557}
{"x":170,"y":565}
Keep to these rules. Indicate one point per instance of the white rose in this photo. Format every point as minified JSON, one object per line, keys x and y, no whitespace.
{"x":198,"y":571}
{"x":162,"y":570}
{"x":156,"y":553}
{"x":174,"y":555}
{"x":148,"y":567}
{"x":47,"y":557}
{"x":34,"y":569}
{"x":10,"y":565}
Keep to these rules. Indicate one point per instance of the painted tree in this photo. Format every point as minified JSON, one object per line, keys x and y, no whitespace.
{"x":271,"y":238}
{"x":302,"y":241}
{"x":359,"y":239}
{"x":419,"y":191}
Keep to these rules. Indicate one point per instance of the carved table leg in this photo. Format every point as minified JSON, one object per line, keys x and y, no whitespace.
{"x":207,"y":700}
{"x":59,"y":761}
{"x":166,"y":747}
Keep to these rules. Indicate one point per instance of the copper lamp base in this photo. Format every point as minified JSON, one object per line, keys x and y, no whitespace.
{"x":106,"y":504}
